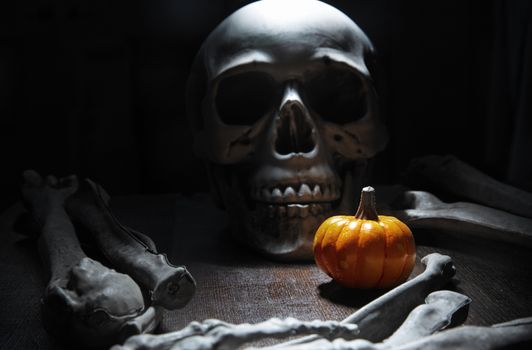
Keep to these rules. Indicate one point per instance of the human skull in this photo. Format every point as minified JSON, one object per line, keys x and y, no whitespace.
{"x":284,"y":113}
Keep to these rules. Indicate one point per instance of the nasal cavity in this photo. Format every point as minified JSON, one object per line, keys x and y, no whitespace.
{"x":294,"y":130}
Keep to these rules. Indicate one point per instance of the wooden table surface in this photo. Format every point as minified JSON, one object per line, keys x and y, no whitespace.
{"x":236,"y":286}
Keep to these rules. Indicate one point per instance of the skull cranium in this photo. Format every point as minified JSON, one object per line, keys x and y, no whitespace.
{"x":284,"y":113}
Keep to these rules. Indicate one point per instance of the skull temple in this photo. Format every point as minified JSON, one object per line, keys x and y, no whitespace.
{"x":284,"y":113}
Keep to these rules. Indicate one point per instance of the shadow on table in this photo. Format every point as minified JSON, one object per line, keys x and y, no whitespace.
{"x":348,"y":296}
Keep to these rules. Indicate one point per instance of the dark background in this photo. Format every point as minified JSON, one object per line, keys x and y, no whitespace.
{"x":96,"y":88}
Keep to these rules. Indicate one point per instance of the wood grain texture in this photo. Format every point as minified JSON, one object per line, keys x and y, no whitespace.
{"x":236,"y":286}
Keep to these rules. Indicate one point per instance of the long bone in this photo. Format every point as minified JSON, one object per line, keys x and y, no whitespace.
{"x":84,"y":301}
{"x":423,"y":210}
{"x":377,"y":320}
{"x":441,"y":309}
{"x":421,"y":330}
{"x":516,"y":334}
{"x":381,"y":317}
{"x":169,"y":286}
{"x":453,"y":176}
{"x":215,"y":334}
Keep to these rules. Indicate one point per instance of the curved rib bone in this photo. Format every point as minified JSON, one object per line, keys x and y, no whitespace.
{"x":423,"y":210}
{"x":219,"y":335}
{"x":84,"y":301}
{"x":170,"y":286}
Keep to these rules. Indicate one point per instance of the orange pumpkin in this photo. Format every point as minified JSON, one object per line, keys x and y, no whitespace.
{"x":365,"y":250}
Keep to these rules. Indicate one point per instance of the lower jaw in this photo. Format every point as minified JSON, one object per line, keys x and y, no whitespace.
{"x":281,"y":232}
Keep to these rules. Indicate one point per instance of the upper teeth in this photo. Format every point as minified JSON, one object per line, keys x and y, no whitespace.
{"x":300,"y":193}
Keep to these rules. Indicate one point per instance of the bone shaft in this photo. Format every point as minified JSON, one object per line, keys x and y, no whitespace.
{"x":459,"y":178}
{"x":276,"y":328}
{"x":114,"y":241}
{"x":148,"y":242}
{"x":170,"y":286}
{"x":473,"y":219}
{"x":230,"y":336}
{"x":316,"y":344}
{"x":325,"y":344}
{"x":463,"y":338}
{"x":473,"y":338}
{"x":58,"y":244}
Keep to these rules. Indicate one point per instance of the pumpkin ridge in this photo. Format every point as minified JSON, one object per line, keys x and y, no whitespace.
{"x":318,"y":239}
{"x":321,"y":254}
{"x":336,"y":260}
{"x":332,"y":266}
{"x":407,"y":234}
{"x":378,"y":284}
{"x":405,"y":256}
{"x":352,"y":282}
{"x":371,"y":237}
{"x":358,"y":255}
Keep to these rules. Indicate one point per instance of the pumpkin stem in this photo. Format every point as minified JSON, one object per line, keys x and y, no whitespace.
{"x":366,"y":208}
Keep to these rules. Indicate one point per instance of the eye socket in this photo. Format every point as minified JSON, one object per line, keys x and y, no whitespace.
{"x":244,"y":98}
{"x":337,"y":95}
